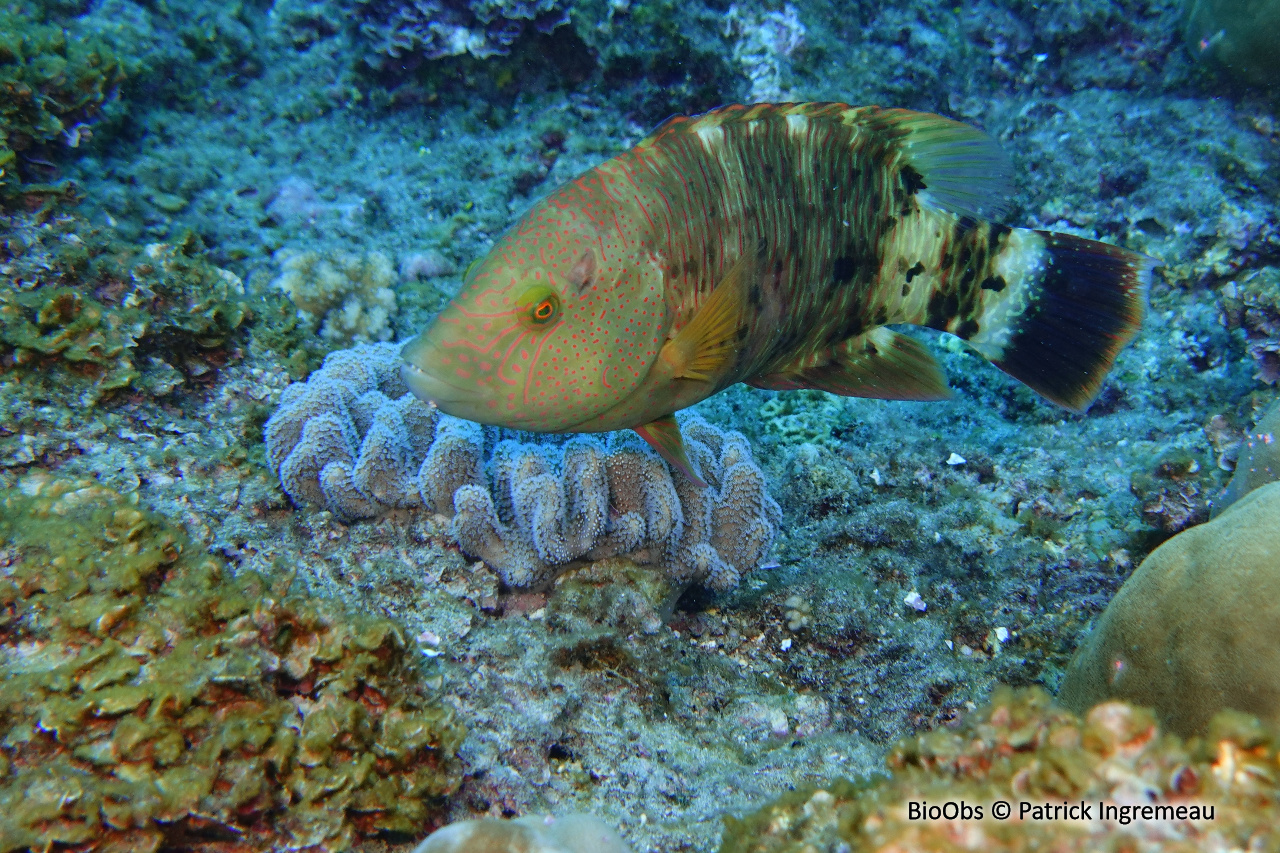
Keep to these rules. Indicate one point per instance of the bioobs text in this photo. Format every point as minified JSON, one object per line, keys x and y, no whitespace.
{"x":950,"y":810}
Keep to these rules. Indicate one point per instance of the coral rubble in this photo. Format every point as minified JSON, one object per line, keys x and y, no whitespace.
{"x":147,"y":696}
{"x":1145,"y":790}
{"x":439,"y":28}
{"x":1193,"y":630}
{"x":1252,"y":304}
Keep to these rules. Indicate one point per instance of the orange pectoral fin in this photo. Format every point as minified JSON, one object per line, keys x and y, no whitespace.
{"x":663,"y":435}
{"x":704,"y":347}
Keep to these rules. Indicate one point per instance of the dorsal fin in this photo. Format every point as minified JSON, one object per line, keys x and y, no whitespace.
{"x":881,"y":363}
{"x":662,"y":125}
{"x":963,"y":170}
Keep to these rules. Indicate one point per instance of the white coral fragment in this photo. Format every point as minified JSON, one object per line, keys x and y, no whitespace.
{"x":351,"y":298}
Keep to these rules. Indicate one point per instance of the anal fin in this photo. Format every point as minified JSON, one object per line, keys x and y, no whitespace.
{"x":882,"y":364}
{"x":663,"y":435}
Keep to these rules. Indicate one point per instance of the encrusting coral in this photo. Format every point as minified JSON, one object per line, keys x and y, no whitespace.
{"x":354,"y":440}
{"x":148,"y":699}
{"x":1144,"y":789}
{"x":1193,"y":630}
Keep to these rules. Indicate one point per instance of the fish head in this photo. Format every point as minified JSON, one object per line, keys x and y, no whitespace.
{"x":553,"y":328}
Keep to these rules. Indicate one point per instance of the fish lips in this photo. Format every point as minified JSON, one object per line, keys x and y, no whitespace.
{"x":432,"y":388}
{"x":468,"y":402}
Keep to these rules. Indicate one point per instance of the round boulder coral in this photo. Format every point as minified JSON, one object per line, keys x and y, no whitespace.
{"x":1193,"y":630}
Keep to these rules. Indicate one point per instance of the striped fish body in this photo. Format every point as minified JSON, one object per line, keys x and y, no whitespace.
{"x":771,"y":244}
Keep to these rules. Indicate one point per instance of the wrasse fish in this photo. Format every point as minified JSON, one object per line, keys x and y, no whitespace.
{"x":771,"y":244}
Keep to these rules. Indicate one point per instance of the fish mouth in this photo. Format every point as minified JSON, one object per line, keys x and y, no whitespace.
{"x":431,"y":388}
{"x":456,"y":400}
{"x":429,"y":385}
{"x":471,"y":401}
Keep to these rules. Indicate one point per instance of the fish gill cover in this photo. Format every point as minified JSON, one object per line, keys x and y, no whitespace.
{"x":201,"y":202}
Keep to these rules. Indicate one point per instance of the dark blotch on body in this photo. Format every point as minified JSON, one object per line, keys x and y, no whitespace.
{"x":937,"y":318}
{"x":912,"y":181}
{"x":994,"y":236}
{"x":842,"y":269}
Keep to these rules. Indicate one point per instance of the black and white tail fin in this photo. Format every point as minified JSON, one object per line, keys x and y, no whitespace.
{"x":1072,"y":304}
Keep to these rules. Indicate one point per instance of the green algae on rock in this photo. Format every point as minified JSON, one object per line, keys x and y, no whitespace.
{"x":1193,"y":630}
{"x":1022,"y":750}
{"x":147,"y":696}
{"x":83,"y":314}
{"x":51,"y":86}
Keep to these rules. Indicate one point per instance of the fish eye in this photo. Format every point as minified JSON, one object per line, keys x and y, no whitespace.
{"x":544,"y":311}
{"x":541,"y":306}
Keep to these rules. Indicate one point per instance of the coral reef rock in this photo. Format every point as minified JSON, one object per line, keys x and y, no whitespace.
{"x":53,"y":86}
{"x":95,"y":315}
{"x":1252,"y":305}
{"x":438,"y":28}
{"x":1193,"y":630}
{"x":577,"y":833}
{"x":1144,"y":790}
{"x":354,"y":440}
{"x":148,"y":698}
